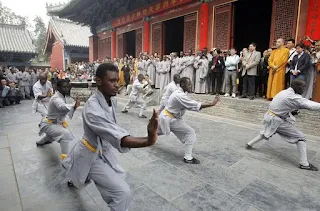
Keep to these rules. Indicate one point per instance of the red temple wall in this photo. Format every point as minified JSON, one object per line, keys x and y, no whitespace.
{"x":56,"y":58}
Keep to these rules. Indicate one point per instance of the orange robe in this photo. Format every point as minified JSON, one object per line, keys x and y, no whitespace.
{"x":276,"y":82}
{"x":121,"y":75}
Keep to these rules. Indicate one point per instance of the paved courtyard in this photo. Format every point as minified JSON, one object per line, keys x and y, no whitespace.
{"x":229,"y":178}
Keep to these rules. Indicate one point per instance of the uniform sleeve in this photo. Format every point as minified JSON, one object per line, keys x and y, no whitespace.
{"x":36,"y":91}
{"x":107,"y":130}
{"x":63,"y":107}
{"x":189,"y":104}
{"x":304,"y":103}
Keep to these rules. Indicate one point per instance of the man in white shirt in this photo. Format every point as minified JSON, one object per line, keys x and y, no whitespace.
{"x":292,"y":49}
{"x":42,"y":90}
{"x":168,"y":90}
{"x":231,"y":64}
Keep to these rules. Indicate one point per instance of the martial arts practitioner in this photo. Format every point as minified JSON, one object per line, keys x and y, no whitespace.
{"x":54,"y":125}
{"x":42,"y":90}
{"x":92,"y":157}
{"x":135,"y":97}
{"x":142,"y":66}
{"x":168,"y":90}
{"x":188,"y":63}
{"x":174,"y":65}
{"x":148,"y":90}
{"x":170,"y":119}
{"x":279,"y":119}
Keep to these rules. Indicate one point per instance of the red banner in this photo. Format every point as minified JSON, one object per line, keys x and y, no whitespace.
{"x":149,"y":10}
{"x":313,"y":21}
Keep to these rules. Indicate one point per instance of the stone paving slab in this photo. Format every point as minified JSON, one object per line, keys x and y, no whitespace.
{"x":229,"y":178}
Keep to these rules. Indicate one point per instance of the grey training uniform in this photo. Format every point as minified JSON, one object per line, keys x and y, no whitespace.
{"x":136,"y":97}
{"x":177,"y":105}
{"x":279,"y":120}
{"x":102,"y":133}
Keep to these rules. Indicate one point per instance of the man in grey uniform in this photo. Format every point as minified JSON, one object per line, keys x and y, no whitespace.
{"x":54,"y":125}
{"x":168,"y":90}
{"x":279,"y":119}
{"x":24,"y":84}
{"x":92,"y":157}
{"x":170,"y":119}
{"x":136,"y":96}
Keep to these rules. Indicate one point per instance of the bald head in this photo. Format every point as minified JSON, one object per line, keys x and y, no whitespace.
{"x":43,"y":77}
{"x":176,"y":78}
{"x":280,"y":42}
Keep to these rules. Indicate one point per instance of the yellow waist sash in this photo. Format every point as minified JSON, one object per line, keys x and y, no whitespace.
{"x":272,"y":113}
{"x":91,"y":148}
{"x":64,"y":123}
{"x":166,"y":112}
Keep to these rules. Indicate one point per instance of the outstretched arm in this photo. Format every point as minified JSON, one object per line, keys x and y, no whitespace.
{"x":213,"y":103}
{"x":139,"y":142}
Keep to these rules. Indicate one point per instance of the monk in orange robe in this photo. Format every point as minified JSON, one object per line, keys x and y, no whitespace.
{"x":121,"y":74}
{"x":277,"y":63}
{"x":316,"y":61}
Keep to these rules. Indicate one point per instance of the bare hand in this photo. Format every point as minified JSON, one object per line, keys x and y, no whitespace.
{"x":153,"y":128}
{"x":77,"y":104}
{"x":216,"y":99}
{"x":274,"y":72}
{"x":275,"y":67}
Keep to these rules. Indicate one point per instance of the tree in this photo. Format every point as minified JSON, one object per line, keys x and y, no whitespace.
{"x":9,"y":17}
{"x":40,"y":32}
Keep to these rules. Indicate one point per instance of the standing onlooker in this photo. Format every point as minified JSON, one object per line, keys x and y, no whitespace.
{"x":299,"y":64}
{"x":216,"y":72}
{"x":34,"y":79}
{"x":310,"y":76}
{"x":202,"y":67}
{"x":316,"y":62}
{"x":292,"y":51}
{"x":23,"y":77}
{"x":243,"y":53}
{"x":126,"y":73}
{"x":277,"y":71}
{"x":265,"y":72}
{"x":249,"y":71}
{"x":231,"y":64}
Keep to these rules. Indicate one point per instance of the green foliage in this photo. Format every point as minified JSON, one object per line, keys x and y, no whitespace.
{"x":7,"y":16}
{"x":40,"y":32}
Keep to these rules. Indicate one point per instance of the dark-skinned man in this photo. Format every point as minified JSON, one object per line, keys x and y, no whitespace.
{"x":54,"y":125}
{"x":42,"y":91}
{"x":170,"y":119}
{"x":92,"y":157}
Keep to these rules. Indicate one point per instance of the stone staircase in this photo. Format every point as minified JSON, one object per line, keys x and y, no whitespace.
{"x":245,"y":110}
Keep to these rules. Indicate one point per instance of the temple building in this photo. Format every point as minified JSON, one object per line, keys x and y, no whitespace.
{"x":122,"y":27}
{"x":66,"y":43}
{"x":16,"y":47}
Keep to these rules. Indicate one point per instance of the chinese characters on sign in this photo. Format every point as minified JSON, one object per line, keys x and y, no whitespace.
{"x":313,"y":22}
{"x":139,"y":14}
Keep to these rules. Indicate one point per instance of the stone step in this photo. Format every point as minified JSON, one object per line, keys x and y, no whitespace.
{"x":251,"y":111}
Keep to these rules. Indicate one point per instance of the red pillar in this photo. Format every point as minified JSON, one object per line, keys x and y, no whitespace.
{"x":93,"y":48}
{"x":203,"y":20}
{"x":146,"y":34}
{"x":113,"y":44}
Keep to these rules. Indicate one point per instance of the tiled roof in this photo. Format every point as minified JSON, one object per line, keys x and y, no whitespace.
{"x":15,"y":38}
{"x":70,"y":33}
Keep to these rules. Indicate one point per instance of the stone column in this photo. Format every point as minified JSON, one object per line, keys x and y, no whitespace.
{"x":203,"y":25}
{"x":146,"y":35}
{"x":93,"y":48}
{"x":113,"y":44}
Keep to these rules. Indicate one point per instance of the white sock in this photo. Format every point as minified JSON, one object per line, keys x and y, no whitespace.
{"x":255,"y":140}
{"x":188,"y":152}
{"x":302,"y":149}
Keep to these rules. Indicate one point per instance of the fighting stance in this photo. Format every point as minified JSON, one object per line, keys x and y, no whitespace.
{"x":42,"y":91}
{"x":135,"y":97}
{"x":54,"y":124}
{"x":168,"y":90}
{"x":92,"y":157}
{"x":170,"y":119}
{"x":279,"y":119}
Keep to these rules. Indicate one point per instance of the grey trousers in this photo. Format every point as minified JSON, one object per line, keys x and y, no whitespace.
{"x":24,"y":91}
{"x":139,"y":102}
{"x":113,"y":188}
{"x":231,"y":77}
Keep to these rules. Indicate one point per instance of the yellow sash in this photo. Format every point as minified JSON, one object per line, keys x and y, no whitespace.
{"x":273,"y":114}
{"x":166,"y":112}
{"x":64,"y":123}
{"x":91,"y":148}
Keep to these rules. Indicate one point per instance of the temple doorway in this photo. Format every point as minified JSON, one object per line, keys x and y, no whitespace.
{"x":173,"y":31}
{"x":252,"y":21}
{"x":130,"y":43}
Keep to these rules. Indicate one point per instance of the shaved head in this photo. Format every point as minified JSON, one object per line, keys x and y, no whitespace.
{"x":43,"y":77}
{"x":280,"y":42}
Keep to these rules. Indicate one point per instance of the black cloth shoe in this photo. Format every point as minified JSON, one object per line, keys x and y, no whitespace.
{"x":143,"y":116}
{"x":251,"y":98}
{"x":243,"y":96}
{"x":248,"y":146}
{"x":310,"y":167}
{"x":125,"y":111}
{"x":45,"y":143}
{"x":192,"y":161}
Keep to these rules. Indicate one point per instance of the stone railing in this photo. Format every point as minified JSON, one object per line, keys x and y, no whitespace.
{"x":82,"y":90}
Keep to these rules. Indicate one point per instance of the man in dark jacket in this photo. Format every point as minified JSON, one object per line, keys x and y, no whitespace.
{"x":216,"y":72}
{"x":300,"y":64}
